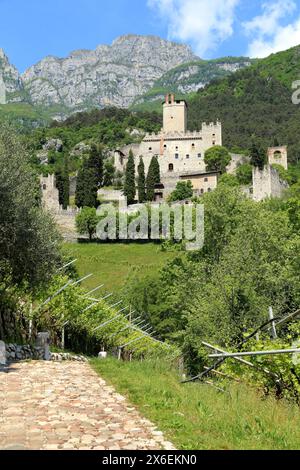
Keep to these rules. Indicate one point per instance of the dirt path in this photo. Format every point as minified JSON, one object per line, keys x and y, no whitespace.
{"x":47,"y":405}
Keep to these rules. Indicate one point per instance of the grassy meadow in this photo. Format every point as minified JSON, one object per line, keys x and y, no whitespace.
{"x":197,"y":416}
{"x":112,"y":263}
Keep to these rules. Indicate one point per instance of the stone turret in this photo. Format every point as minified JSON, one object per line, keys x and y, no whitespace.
{"x":50,"y":194}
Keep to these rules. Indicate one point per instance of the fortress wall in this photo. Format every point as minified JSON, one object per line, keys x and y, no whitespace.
{"x":267,"y":183}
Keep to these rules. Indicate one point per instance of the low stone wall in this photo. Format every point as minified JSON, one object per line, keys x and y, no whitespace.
{"x":15,"y":352}
{"x":59,"y":357}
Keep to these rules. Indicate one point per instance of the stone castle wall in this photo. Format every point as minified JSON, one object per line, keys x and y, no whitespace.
{"x":267,"y":183}
{"x":177,"y":152}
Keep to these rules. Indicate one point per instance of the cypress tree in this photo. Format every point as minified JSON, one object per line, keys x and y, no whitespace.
{"x":153,"y":178}
{"x":63,"y":184}
{"x":95,"y":162}
{"x":129,"y":185}
{"x":87,"y":187}
{"x":257,"y":156}
{"x":156,"y":170}
{"x":141,"y":181}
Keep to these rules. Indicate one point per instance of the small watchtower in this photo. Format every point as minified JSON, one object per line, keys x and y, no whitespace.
{"x":175,"y":115}
{"x":279,"y":156}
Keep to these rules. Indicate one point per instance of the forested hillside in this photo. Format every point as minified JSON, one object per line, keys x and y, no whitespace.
{"x":255,"y":102}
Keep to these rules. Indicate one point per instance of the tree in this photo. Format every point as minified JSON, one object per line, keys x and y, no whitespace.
{"x":109,"y":173}
{"x":257,"y":156}
{"x":87,"y":187}
{"x":63,"y":183}
{"x":141,"y":181}
{"x":129,"y":185}
{"x":29,"y":241}
{"x":153,"y":178}
{"x":87,"y":221}
{"x":244,"y":173}
{"x":95,"y":162}
{"x":184,"y":190}
{"x":229,"y":180}
{"x":217,"y":158}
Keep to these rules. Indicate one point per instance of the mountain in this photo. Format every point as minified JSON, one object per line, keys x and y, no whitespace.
{"x":132,"y":71}
{"x":11,"y":86}
{"x":108,"y":76}
{"x":189,"y":78}
{"x":254,"y":102}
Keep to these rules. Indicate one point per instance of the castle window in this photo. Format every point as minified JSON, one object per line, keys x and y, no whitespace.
{"x":214,"y":142}
{"x":187,"y":156}
{"x":193,"y":145}
{"x":150,"y":148}
{"x":277,"y":154}
{"x":165,"y":146}
{"x":209,"y":190}
{"x":176,"y":156}
{"x":205,"y":180}
{"x":214,"y":135}
{"x":44,"y":187}
{"x":176,"y":148}
{"x":199,"y":155}
{"x":171,"y":167}
{"x":201,"y":190}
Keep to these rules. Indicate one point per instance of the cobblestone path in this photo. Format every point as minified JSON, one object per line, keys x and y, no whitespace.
{"x":66,"y":405}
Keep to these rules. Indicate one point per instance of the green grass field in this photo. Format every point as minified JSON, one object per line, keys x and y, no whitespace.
{"x":196,"y":416}
{"x":112,"y":263}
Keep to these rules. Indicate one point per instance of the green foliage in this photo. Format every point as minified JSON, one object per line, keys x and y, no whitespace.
{"x":153,"y":178}
{"x":73,"y":306}
{"x":141,"y":181}
{"x":283,"y":173}
{"x":63,"y":184}
{"x":191,"y":414}
{"x":184,"y":190}
{"x":109,"y":173}
{"x":249,"y":261}
{"x":113,"y":263}
{"x":282,"y":380}
{"x":87,"y":221}
{"x":244,"y":174}
{"x":229,"y":180}
{"x":129,"y":184}
{"x":29,"y":242}
{"x":257,"y":156}
{"x":95,"y":162}
{"x":217,"y":158}
{"x":87,"y":186}
{"x":253,"y":102}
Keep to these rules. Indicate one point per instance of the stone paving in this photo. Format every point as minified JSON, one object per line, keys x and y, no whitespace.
{"x":52,"y":406}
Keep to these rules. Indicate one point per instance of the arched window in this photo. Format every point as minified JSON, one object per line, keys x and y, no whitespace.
{"x":44,"y":187}
{"x":277,"y":155}
{"x":171,"y":167}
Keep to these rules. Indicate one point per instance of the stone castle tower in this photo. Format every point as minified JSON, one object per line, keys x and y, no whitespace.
{"x":50,"y":194}
{"x":267,"y":182}
{"x":178,"y":150}
{"x":174,"y":115}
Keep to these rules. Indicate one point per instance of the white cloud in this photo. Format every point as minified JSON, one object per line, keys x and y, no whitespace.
{"x":204,"y":23}
{"x":268,"y":34}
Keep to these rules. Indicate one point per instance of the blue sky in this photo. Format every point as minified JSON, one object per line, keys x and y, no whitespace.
{"x":32,"y":29}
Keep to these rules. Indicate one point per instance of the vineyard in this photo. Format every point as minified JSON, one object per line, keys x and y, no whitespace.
{"x":85,"y":323}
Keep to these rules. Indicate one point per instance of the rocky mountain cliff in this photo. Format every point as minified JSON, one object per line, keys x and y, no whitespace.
{"x":191,"y":77}
{"x":133,"y":70}
{"x":11,"y":87}
{"x":110,"y":75}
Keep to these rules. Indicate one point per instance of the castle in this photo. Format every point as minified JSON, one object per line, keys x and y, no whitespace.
{"x":267,"y":182}
{"x":180,"y":152}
